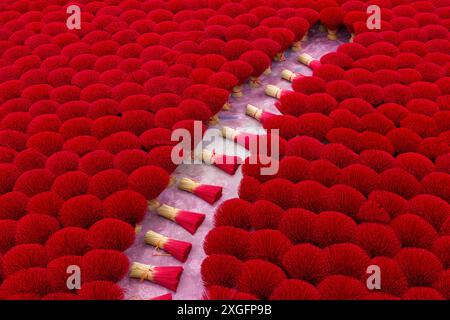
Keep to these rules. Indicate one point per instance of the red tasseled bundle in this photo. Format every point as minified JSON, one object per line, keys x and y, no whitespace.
{"x":345,"y":199}
{"x":288,"y":125}
{"x":378,"y":160}
{"x":120,"y":141}
{"x":13,"y":139}
{"x":28,"y":281}
{"x":71,"y":184}
{"x":360,"y":177}
{"x":227,"y":240}
{"x":106,"y":182}
{"x":357,"y":106}
{"x":216,"y":98}
{"x":397,"y":93}
{"x":57,"y":271}
{"x":435,"y":210}
{"x":137,"y":121}
{"x":233,"y":212}
{"x":400,"y":182}
{"x":404,"y":140}
{"x":260,"y":278}
{"x":441,"y":249}
{"x":258,"y":60}
{"x":8,"y":231}
{"x":211,"y":61}
{"x":212,"y":46}
{"x":241,"y":70}
{"x":100,"y":290}
{"x":414,"y":231}
{"x":234,"y":48}
{"x":167,"y":296}
{"x":443,"y":163}
{"x":315,"y":125}
{"x":46,"y":142}
{"x":195,"y":110}
{"x":155,"y":137}
{"x":164,"y":100}
{"x":347,"y":259}
{"x":189,"y":220}
{"x":130,"y":160}
{"x":265,"y":215}
{"x":266,"y":45}
{"x":291,"y":103}
{"x":42,"y":123}
{"x":24,"y":256}
{"x":329,"y":72}
{"x":345,"y":119}
{"x":294,"y":169}
{"x":220,"y":269}
{"x":96,"y":161}
{"x":339,"y":59}
{"x":339,"y":287}
{"x":420,"y":266}
{"x":62,"y":162}
{"x":306,"y":262}
{"x":223,"y":80}
{"x":310,"y":195}
{"x":249,"y":189}
{"x":125,"y":205}
{"x":299,"y":26}
{"x":436,"y":183}
{"x":308,"y":85}
{"x":28,"y":159}
{"x":339,"y":154}
{"x":16,"y":121}
{"x":285,"y":37}
{"x":222,"y":293}
{"x":7,"y":155}
{"x":269,"y":192}
{"x":209,"y":193}
{"x":104,"y":265}
{"x":35,"y":228}
{"x":13,"y":205}
{"x":324,"y":172}
{"x":34,"y":181}
{"x":105,"y":126}
{"x":176,"y":248}
{"x":305,"y":147}
{"x":332,"y":18}
{"x":8,"y":176}
{"x":166,"y":118}
{"x":333,"y":227}
{"x":268,"y":245}
{"x":293,"y":289}
{"x":149,"y":181}
{"x":201,"y":75}
{"x":422,"y":293}
{"x":415,"y":164}
{"x":433,"y":147}
{"x":67,"y":241}
{"x":345,"y":136}
{"x":377,"y":239}
{"x":81,"y":211}
{"x":112,"y":234}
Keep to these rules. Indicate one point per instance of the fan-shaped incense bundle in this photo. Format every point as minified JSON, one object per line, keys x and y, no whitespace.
{"x":186,"y":219}
{"x":209,"y":193}
{"x":258,"y":113}
{"x":229,"y":164}
{"x":243,"y":139}
{"x":168,"y":277}
{"x":309,"y":61}
{"x":274,"y":91}
{"x":290,"y":75}
{"x":176,"y":248}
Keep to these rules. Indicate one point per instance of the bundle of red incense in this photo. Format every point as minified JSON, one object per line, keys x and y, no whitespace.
{"x":290,"y":75}
{"x":168,"y":277}
{"x":309,"y":61}
{"x":167,"y":296}
{"x":176,"y":248}
{"x":209,"y":193}
{"x":243,"y":139}
{"x":186,"y":219}
{"x":258,"y":113}
{"x":229,"y":164}
{"x":274,"y":91}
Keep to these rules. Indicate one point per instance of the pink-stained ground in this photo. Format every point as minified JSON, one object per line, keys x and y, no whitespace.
{"x":191,"y":287}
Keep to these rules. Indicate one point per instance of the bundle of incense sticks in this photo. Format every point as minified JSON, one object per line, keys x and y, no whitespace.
{"x":309,"y":61}
{"x":258,"y":113}
{"x":209,"y":193}
{"x":290,"y":75}
{"x":168,"y":277}
{"x":226,"y":163}
{"x":178,"y":249}
{"x":186,"y":219}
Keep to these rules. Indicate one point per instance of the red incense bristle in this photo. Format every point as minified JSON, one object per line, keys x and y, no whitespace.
{"x":190,"y":220}
{"x":229,"y":164}
{"x":168,"y":277}
{"x":176,"y":248}
{"x":209,"y":193}
{"x":167,"y":296}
